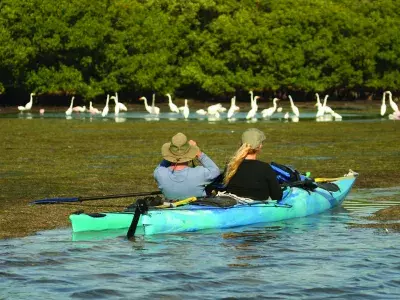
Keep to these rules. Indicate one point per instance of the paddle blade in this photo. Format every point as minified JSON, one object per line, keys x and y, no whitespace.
{"x":55,"y":200}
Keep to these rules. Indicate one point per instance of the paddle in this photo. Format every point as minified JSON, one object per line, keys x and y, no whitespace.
{"x":177,"y":203}
{"x":81,"y":199}
{"x":141,"y":208}
{"x":328,"y":179}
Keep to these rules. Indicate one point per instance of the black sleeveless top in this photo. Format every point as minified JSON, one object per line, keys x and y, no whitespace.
{"x":256,"y":180}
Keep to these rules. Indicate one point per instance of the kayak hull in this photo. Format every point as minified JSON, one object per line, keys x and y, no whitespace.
{"x":296,"y":202}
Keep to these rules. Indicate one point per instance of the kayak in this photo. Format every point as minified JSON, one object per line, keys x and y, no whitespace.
{"x":296,"y":202}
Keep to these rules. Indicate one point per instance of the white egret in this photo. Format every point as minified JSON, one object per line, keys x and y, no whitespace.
{"x":68,"y":112}
{"x":213,"y":110}
{"x":251,"y":97}
{"x":255,"y":102}
{"x":214,"y":117}
{"x":222,"y":109}
{"x":233,"y":108}
{"x":171,"y":105}
{"x":92,"y":109}
{"x":154,"y":110}
{"x":105,"y":109}
{"x":326,"y":108}
{"x":186,"y":110}
{"x":201,"y":112}
{"x":320,"y":108}
{"x":79,"y":109}
{"x":336,"y":115}
{"x":383,"y":106}
{"x":294,"y":108}
{"x":122,"y":107}
{"x":392,"y":104}
{"x":254,"y":107}
{"x":27,"y":106}
{"x":268,"y":112}
{"x":395,"y":116}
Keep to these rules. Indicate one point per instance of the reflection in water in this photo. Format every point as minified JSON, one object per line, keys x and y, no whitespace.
{"x":252,"y":120}
{"x":120,"y":119}
{"x":295,"y":118}
{"x":152,"y":118}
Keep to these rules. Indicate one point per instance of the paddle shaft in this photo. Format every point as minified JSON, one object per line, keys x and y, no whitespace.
{"x":118,"y":196}
{"x":81,"y":199}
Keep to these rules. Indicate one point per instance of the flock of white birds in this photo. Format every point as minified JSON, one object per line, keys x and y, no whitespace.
{"x":324,"y":112}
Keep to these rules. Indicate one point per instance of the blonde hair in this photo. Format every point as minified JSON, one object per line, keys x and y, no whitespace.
{"x":237,"y":159}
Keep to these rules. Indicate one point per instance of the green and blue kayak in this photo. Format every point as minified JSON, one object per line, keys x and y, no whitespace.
{"x":296,"y":202}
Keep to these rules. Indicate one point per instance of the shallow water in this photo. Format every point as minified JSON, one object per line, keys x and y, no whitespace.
{"x":307,"y":115}
{"x":317,"y":257}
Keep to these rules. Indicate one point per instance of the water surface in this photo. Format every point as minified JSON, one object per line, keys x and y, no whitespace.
{"x":316,"y":257}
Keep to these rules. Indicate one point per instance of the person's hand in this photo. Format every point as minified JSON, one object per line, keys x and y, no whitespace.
{"x":193,"y":143}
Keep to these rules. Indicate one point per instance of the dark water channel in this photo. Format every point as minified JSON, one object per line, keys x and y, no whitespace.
{"x":317,"y":257}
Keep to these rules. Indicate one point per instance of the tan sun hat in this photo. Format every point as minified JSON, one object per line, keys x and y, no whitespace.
{"x":179,"y":150}
{"x":254,"y":137}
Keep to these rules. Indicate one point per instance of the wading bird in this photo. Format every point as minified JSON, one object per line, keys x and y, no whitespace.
{"x":154,"y":110}
{"x":122,"y":107}
{"x":104,"y":113}
{"x":320,"y":108}
{"x":185,"y":111}
{"x":172,"y":106}
{"x":327,"y":109}
{"x":268,"y":112}
{"x":93,"y":110}
{"x":294,"y":108}
{"x":79,"y":109}
{"x":254,"y":107}
{"x":392,"y":104}
{"x":201,"y":112}
{"x":68,"y":112}
{"x":233,"y":108}
{"x":27,"y":106}
{"x":214,"y":110}
{"x":383,"y":106}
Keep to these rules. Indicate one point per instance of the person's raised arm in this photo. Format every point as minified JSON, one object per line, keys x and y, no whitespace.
{"x":211,"y":169}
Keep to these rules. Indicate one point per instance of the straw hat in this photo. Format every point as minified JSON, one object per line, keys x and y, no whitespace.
{"x":179,"y":150}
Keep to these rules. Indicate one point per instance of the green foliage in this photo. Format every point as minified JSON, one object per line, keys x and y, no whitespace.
{"x":91,"y":47}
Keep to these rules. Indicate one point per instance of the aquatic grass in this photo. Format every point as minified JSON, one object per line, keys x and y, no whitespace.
{"x":45,"y":158}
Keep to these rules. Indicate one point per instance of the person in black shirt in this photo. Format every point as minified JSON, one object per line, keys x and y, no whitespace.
{"x":248,"y":177}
